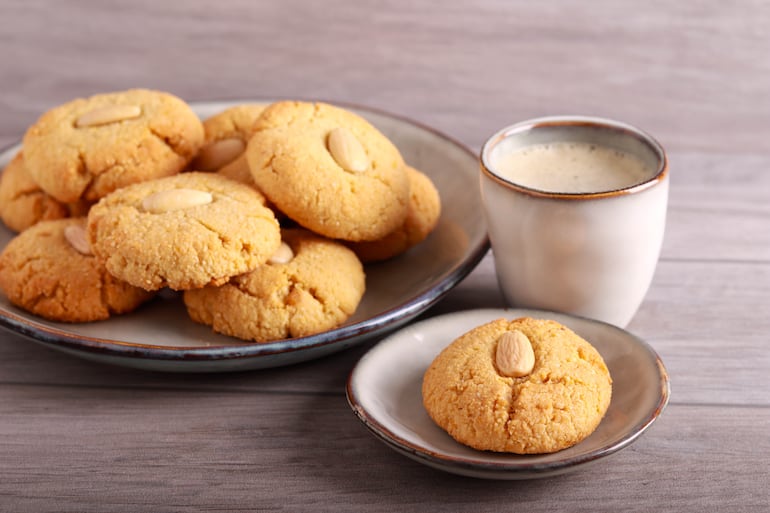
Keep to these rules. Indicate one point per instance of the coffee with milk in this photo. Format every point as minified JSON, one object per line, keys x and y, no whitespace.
{"x":576,"y":211}
{"x":570,"y":167}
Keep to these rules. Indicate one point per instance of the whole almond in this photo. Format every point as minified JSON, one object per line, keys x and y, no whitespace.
{"x":347,"y":150}
{"x":76,"y":236}
{"x":175,"y":199}
{"x":514,"y":356}
{"x":283,"y":255}
{"x":108,"y":114}
{"x":219,"y":153}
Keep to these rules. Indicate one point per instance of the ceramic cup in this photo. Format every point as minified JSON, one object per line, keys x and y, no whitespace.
{"x":590,"y":252}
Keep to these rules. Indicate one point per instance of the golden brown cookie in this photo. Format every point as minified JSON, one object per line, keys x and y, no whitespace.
{"x":23,"y":203}
{"x":467,"y":392}
{"x":329,"y":170}
{"x":421,"y":218}
{"x":41,"y":271}
{"x":226,"y":136}
{"x":184,"y":231}
{"x":89,"y":147}
{"x":311,"y":285}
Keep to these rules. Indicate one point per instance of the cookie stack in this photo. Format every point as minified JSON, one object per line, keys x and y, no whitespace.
{"x":263,"y":215}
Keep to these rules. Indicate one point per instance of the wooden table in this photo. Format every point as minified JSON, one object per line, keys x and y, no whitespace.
{"x":79,"y":436}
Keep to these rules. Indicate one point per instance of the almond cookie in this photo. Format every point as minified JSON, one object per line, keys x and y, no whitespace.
{"x":89,"y":147}
{"x":329,"y":170}
{"x":525,"y":386}
{"x":49,"y":271}
{"x":311,"y":284}
{"x":23,"y":203}
{"x":224,"y":151}
{"x":421,"y":218}
{"x":226,"y":136}
{"x":184,"y":231}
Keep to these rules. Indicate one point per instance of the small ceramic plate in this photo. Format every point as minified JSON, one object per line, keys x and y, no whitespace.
{"x":160,"y":335}
{"x":384,"y":391}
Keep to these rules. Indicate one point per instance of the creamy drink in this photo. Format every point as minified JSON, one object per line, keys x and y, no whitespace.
{"x":570,"y":167}
{"x":576,"y":211}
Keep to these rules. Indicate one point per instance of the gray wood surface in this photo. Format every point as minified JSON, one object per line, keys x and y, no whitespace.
{"x":77,"y":436}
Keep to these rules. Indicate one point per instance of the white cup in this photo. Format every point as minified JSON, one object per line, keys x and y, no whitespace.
{"x":590,"y":253}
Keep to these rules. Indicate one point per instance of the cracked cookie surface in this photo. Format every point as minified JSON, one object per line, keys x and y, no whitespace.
{"x":23,"y":203}
{"x":291,"y":163}
{"x":71,"y":161}
{"x":559,"y":404}
{"x":185,"y":246}
{"x":421,"y":218}
{"x":317,"y":290}
{"x":41,"y":272}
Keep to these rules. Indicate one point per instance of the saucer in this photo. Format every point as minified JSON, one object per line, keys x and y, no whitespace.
{"x":384,"y":391}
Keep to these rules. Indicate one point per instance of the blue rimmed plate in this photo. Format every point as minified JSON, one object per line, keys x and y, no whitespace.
{"x":384,"y":391}
{"x":160,"y":336}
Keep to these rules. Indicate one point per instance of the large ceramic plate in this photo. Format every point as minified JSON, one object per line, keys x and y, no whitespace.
{"x":160,"y":336}
{"x":384,"y":391}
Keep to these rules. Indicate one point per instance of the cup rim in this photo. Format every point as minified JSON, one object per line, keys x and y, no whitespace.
{"x":576,"y":121}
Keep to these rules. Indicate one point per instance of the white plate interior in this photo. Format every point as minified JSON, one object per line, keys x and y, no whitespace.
{"x":397,"y":290}
{"x":384,"y":390}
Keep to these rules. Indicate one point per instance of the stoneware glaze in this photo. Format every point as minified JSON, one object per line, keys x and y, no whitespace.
{"x":384,"y":391}
{"x":590,"y":254}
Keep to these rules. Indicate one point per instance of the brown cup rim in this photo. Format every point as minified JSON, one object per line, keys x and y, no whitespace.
{"x":576,"y":121}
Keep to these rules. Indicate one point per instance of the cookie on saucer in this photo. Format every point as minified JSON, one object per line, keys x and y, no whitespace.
{"x":89,"y":147}
{"x":312,"y":284}
{"x":525,"y":386}
{"x":329,"y":170}
{"x":49,"y":271}
{"x":185,"y":231}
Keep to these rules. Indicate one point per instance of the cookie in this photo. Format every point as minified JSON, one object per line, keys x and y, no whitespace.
{"x":329,"y":170}
{"x":224,"y":151}
{"x":312,"y":285}
{"x":421,"y":218}
{"x":48,"y":271}
{"x":224,"y":146}
{"x":470,"y":389}
{"x":89,"y":147}
{"x":23,"y":203}
{"x":185,"y":231}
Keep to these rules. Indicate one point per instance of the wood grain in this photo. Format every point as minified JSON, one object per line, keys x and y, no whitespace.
{"x":682,"y":72}
{"x":76,"y":436}
{"x":181,"y":459}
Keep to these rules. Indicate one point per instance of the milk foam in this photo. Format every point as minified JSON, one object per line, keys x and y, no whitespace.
{"x":570,"y":167}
